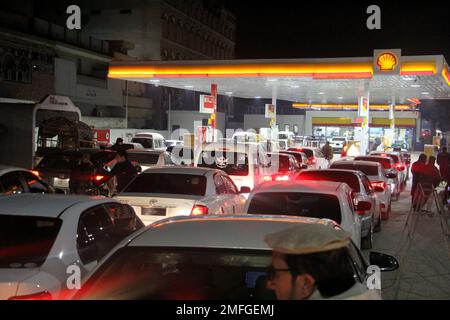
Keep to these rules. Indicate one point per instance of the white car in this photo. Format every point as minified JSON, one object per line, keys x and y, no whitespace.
{"x":400,"y":166}
{"x":42,"y":235}
{"x":362,"y":191}
{"x":181,"y":258}
{"x":16,"y":180}
{"x":315,"y":199}
{"x":150,"y":140}
{"x":159,"y":193}
{"x":375,"y":172}
{"x":316,"y":159}
{"x":146,"y":159}
{"x":337,"y":143}
{"x":246,"y":163}
{"x":242,"y":137}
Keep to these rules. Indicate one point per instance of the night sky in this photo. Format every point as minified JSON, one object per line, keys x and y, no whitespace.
{"x":321,"y":29}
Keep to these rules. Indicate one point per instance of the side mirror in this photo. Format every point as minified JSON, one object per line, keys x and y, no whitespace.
{"x":245,"y":190}
{"x":363,"y":206}
{"x":391,"y":175}
{"x":384,"y":261}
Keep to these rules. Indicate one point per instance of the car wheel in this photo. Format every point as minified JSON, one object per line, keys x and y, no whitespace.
{"x":367,"y":241}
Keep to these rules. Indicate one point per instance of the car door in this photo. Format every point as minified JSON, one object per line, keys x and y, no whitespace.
{"x":237,"y":200}
{"x":12,"y":183}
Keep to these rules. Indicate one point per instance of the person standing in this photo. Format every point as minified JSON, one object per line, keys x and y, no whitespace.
{"x":123,"y":170}
{"x":443,"y":161}
{"x":327,"y":151}
{"x":429,"y":179}
{"x":417,"y":169}
{"x":344,"y":150}
{"x":118,"y":145}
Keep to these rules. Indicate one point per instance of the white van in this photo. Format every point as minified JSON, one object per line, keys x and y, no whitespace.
{"x":243,"y":137}
{"x":150,"y":141}
{"x":246,"y":163}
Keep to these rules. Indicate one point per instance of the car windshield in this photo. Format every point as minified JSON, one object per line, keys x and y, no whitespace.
{"x":63,"y":161}
{"x":301,"y":204}
{"x":385,"y":162}
{"x":147,"y":143}
{"x":144,"y":158}
{"x":280,"y":162}
{"x":168,"y":183}
{"x":335,"y":176}
{"x":338,"y":139}
{"x":367,"y":170}
{"x":233,"y":163}
{"x":25,"y":241}
{"x":146,"y":273}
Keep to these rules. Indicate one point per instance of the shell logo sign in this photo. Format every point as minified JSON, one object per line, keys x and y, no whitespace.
{"x":387,"y":61}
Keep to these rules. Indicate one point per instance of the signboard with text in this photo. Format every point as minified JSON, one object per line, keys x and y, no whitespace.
{"x":207,"y":104}
{"x":271,"y":111}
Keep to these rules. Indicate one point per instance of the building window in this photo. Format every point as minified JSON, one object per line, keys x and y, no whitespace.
{"x":9,"y":68}
{"x":125,"y":11}
{"x":24,"y":71}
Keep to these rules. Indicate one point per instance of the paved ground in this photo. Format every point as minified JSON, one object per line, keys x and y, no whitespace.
{"x":424,"y":258}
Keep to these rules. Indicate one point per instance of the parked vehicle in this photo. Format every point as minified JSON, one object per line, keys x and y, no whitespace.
{"x":377,"y":176}
{"x":337,"y":143}
{"x":283,"y":167}
{"x":362,"y":191}
{"x":183,"y":259}
{"x":316,"y":159}
{"x":146,"y":159}
{"x":246,"y":164}
{"x":398,"y":163}
{"x":56,"y":167}
{"x":159,"y":193}
{"x":390,"y":170}
{"x":150,"y":140}
{"x":301,"y":157}
{"x":16,"y":181}
{"x":42,"y":235}
{"x":323,"y":200}
{"x":243,"y":137}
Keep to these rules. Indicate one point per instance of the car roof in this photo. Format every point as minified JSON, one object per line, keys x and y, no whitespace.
{"x":5,"y":169}
{"x":153,"y":134}
{"x":43,"y":205}
{"x":232,"y":147}
{"x":181,"y":170}
{"x":145,"y":151}
{"x":300,"y":186}
{"x":228,"y":231}
{"x":374,"y":157}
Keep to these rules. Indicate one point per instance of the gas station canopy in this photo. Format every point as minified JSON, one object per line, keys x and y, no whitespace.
{"x":306,"y":81}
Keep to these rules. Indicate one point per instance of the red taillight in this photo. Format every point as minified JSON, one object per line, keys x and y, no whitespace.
{"x":360,"y":212}
{"x":312,"y":160}
{"x":99,"y":177}
{"x":400,"y":167}
{"x":296,"y":149}
{"x":36,"y":173}
{"x":267,"y":178}
{"x":379,"y":184}
{"x":199,"y":210}
{"x":35,"y":296}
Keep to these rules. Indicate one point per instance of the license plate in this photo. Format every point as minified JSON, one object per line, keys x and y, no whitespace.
{"x":61,"y":183}
{"x":153,"y":212}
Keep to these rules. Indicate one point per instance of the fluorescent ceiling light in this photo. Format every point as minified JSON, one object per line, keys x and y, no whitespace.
{"x":425,"y":93}
{"x":415,"y":86}
{"x":188,"y":87}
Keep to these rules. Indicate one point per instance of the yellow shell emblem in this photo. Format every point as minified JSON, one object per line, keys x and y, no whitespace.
{"x":387,"y":62}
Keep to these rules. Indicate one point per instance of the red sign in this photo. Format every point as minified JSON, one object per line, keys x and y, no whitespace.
{"x":102,"y":135}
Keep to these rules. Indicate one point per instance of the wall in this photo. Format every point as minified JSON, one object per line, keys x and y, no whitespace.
{"x":189,"y":120}
{"x":354,"y":114}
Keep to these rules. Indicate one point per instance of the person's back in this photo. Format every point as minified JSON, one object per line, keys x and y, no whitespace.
{"x":81,"y":176}
{"x":443,"y":160}
{"x":430,"y":177}
{"x":417,"y":169}
{"x":123,"y":170}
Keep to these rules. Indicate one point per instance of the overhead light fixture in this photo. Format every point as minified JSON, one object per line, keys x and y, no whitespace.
{"x":257,"y":97}
{"x":155,"y":80}
{"x":188,"y":87}
{"x":321,"y":93}
{"x":415,"y":86}
{"x":229,"y":93}
{"x":272,"y":80}
{"x":425,"y":93}
{"x":295,"y":87}
{"x":340,"y":98}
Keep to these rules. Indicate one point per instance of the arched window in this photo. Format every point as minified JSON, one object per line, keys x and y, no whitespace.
{"x":9,"y":68}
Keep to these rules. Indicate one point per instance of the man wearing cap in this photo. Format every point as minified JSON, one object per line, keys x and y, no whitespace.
{"x":311,"y":261}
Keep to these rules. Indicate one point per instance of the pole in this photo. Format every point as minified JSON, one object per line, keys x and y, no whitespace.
{"x":126,"y":104}
{"x":169,"y":128}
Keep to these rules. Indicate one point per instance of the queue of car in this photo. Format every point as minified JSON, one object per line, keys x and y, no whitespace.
{"x":206,"y":214}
